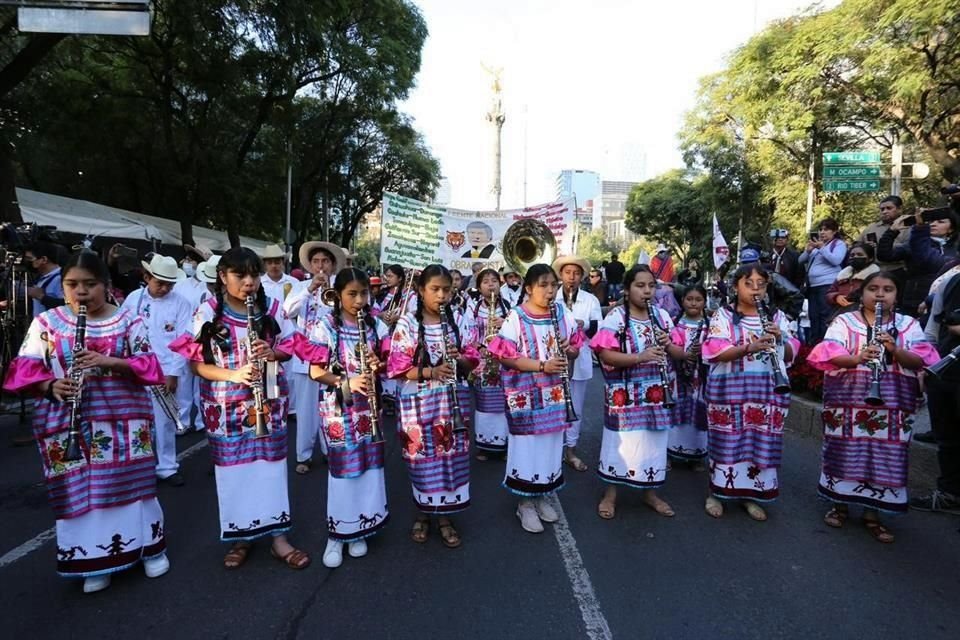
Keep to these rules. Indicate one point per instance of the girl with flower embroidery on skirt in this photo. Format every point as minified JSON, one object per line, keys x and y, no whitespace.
{"x":866,"y":447}
{"x":687,"y":441}
{"x":491,"y":417}
{"x":356,"y":494}
{"x":745,"y":415}
{"x":631,"y":345}
{"x":108,"y":517}
{"x":533,"y":356}
{"x":437,"y":456}
{"x":251,"y":472}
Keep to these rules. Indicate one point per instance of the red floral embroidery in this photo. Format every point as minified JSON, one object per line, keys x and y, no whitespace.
{"x":831,"y":420}
{"x":654,"y":394}
{"x":211,"y":417}
{"x":556,"y":394}
{"x":754,"y":416}
{"x":619,"y":397}
{"x":520,"y":401}
{"x":144,"y":436}
{"x":753,"y":471}
{"x":335,"y":429}
{"x":55,"y":453}
{"x":363,"y":426}
{"x":720,"y":417}
{"x":442,"y":437}
{"x":862,"y":416}
{"x":776,"y":419}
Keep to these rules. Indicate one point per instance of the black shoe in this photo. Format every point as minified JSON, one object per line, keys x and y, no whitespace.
{"x":176,"y":480}
{"x":937,"y":501}
{"x":926,"y":436}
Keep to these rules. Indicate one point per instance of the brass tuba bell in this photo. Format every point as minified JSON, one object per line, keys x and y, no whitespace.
{"x":526,"y":243}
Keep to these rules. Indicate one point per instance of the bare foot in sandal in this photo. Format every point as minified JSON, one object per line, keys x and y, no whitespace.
{"x":570,"y":457}
{"x":755,"y":511}
{"x":607,"y":508}
{"x":655,"y":502}
{"x":836,"y":516}
{"x":713,"y":507}
{"x":448,"y":535}
{"x":879,"y":532}
{"x":421,"y":530}
{"x":236,"y":556}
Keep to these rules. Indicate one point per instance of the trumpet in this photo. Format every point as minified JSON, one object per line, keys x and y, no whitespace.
{"x":658,"y":333}
{"x":780,"y":383}
{"x":452,"y":383}
{"x":363,"y":355}
{"x":168,"y":404}
{"x":565,"y":374}
{"x":873,"y":398}
{"x":398,"y":303}
{"x":72,"y":451}
{"x":258,"y":410}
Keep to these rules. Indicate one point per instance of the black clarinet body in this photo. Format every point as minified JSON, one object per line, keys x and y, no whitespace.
{"x":72,"y":449}
{"x":658,"y":331}
{"x":780,"y":383}
{"x":874,"y":398}
{"x":565,"y":374}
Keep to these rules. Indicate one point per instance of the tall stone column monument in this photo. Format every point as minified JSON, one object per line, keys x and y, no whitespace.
{"x":496,"y":117}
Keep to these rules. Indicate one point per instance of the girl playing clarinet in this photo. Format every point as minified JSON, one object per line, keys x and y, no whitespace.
{"x":491,"y":419}
{"x":634,"y":347}
{"x":534,"y":346}
{"x":430,"y":354}
{"x":250,"y":468}
{"x":105,"y":501}
{"x":687,"y":441}
{"x":356,"y":494}
{"x":866,"y":444}
{"x":745,"y":415}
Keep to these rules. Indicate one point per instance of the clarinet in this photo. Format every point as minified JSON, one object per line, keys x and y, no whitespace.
{"x":72,"y":451}
{"x":565,"y":374}
{"x":874,"y":399}
{"x":363,"y":355}
{"x":658,"y":332}
{"x":258,"y":409}
{"x":452,"y":383}
{"x":780,"y":383}
{"x":625,"y":372}
{"x":688,"y":369}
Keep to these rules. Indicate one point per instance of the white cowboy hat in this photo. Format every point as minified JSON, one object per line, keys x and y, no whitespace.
{"x":198,"y":250}
{"x":339,"y":258}
{"x":661,"y":248}
{"x":272,"y":251}
{"x":208,"y":272}
{"x":563,"y":261}
{"x":164,"y":268}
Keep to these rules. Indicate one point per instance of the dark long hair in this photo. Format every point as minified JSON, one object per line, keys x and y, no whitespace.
{"x":742,"y":272}
{"x":345,"y":277}
{"x":89,"y":261}
{"x":533,"y":274}
{"x":628,"y":279}
{"x":500,"y":301}
{"x":431,"y":272}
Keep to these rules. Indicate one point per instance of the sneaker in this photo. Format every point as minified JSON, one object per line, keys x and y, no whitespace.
{"x":333,"y":554}
{"x":357,"y":549}
{"x":529,"y":519}
{"x":96,"y":583}
{"x":545,"y":510}
{"x":938,"y":502}
{"x":926,"y":436}
{"x":156,"y":566}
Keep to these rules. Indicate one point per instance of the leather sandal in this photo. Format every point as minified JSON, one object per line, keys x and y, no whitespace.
{"x":755,"y":511}
{"x":879,"y":532}
{"x":659,"y":505}
{"x":449,"y":536}
{"x":420,"y":531}
{"x":713,"y":507}
{"x":836,"y":517}
{"x":295,"y":559}
{"x":607,"y":509}
{"x":574,"y":462}
{"x":236,"y":556}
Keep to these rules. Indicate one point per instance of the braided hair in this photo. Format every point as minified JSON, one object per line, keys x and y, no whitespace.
{"x":343,"y":278}
{"x":244,"y":262}
{"x":431,"y":272}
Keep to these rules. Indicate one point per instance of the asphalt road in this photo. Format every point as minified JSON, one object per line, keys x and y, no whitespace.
{"x":638,"y":576}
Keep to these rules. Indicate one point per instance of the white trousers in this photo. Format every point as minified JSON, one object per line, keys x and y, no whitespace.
{"x":188,"y":393}
{"x":578,"y":388}
{"x":306,"y":399}
{"x":166,"y":439}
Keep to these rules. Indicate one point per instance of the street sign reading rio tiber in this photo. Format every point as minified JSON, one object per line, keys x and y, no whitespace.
{"x":851,"y":171}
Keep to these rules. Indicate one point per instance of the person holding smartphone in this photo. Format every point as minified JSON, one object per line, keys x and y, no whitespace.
{"x":932,"y":244}
{"x":823,"y":257}
{"x":890,"y":208}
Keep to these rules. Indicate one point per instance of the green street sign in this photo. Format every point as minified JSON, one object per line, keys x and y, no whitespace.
{"x":851,"y":157}
{"x":851,"y":172}
{"x":851,"y":185}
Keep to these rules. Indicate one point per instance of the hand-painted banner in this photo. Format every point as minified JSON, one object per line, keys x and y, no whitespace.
{"x":416,"y":234}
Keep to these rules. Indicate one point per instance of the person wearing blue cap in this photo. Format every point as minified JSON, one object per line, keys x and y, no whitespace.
{"x":783,"y":259}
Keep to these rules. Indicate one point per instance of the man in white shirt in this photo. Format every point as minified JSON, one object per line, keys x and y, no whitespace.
{"x":586,"y":311}
{"x":510,"y":291}
{"x":188,"y":389}
{"x":305,"y":307}
{"x":167,"y":316}
{"x":276,"y":284}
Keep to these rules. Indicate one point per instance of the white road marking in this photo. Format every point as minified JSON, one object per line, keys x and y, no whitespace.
{"x":38,"y":541}
{"x":593,"y":618}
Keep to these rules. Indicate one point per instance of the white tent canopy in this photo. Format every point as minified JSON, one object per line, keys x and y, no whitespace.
{"x":89,"y":218}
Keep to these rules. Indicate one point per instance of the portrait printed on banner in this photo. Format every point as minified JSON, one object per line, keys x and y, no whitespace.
{"x":480,"y":239}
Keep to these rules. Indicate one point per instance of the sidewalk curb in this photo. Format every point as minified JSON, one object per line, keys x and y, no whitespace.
{"x":804,"y":419}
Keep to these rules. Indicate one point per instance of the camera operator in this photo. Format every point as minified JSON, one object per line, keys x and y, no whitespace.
{"x":43,"y":259}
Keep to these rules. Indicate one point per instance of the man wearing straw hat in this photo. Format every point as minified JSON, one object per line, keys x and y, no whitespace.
{"x":305,"y":306}
{"x":276,"y":284}
{"x":586,"y":311}
{"x":167,"y":316}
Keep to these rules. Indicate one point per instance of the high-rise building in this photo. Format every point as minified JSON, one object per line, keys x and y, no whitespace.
{"x":582,"y":185}
{"x":442,"y":198}
{"x":611,"y":204}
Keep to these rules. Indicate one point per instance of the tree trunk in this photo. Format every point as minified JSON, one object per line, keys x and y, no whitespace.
{"x":26,"y":59}
{"x":9,"y":209}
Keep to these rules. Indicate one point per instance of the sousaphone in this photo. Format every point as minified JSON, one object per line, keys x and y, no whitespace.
{"x":526,"y":243}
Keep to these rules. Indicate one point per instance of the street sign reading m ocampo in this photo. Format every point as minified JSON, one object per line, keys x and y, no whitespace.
{"x":851,"y":171}
{"x":833,"y":171}
{"x":101,"y":17}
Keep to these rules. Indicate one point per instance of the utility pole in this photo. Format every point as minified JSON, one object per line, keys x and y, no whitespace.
{"x":896,"y":169}
{"x":288,"y":234}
